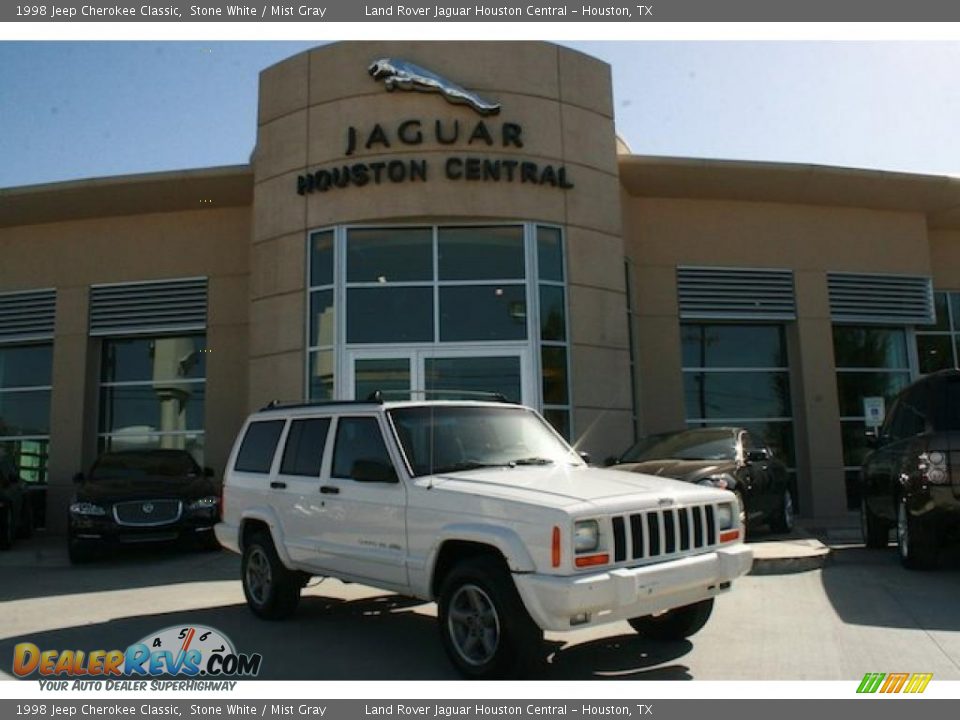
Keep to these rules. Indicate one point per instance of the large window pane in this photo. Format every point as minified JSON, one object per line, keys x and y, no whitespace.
{"x":715,"y":346}
{"x":25,"y":366}
{"x":483,"y":312}
{"x":550,"y":253}
{"x":560,"y":419}
{"x":321,"y":317}
{"x":934,"y":352}
{"x":149,"y":359}
{"x":144,"y":408}
{"x":553,"y":324}
{"x":862,"y":347}
{"x":321,"y":375}
{"x":389,"y":375}
{"x":390,"y":315}
{"x":388,"y":255}
{"x":852,"y":387}
{"x":855,"y":447}
{"x":730,"y":395}
{"x":30,"y":457}
{"x":481,"y":253}
{"x":25,"y":413}
{"x":321,"y":258}
{"x":478,"y":374}
{"x":554,"y":360}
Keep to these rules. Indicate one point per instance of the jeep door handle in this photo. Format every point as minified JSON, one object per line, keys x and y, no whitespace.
{"x":278,"y":485}
{"x":329,"y":490}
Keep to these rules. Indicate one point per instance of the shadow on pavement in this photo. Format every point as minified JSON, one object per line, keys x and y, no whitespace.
{"x":375,"y":638}
{"x":44,"y":561}
{"x":870,"y":587}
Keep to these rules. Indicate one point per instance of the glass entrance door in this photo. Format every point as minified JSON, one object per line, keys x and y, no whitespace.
{"x":445,"y":375}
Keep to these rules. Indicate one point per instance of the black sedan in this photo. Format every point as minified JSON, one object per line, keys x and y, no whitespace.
{"x":724,"y":457}
{"x":16,"y":516}
{"x":142,"y":496}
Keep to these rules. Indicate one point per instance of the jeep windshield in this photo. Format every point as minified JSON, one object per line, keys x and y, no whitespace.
{"x":450,"y":438}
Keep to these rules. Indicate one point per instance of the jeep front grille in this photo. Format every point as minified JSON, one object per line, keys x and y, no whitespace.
{"x":663,"y":532}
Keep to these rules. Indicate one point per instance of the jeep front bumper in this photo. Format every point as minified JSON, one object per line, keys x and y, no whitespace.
{"x":570,"y":602}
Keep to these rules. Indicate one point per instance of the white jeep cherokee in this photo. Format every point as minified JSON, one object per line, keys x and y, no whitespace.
{"x":480,"y":506}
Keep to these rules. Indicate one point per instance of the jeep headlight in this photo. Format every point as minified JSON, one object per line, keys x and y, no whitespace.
{"x":586,"y":535}
{"x":726,"y":516}
{"x":205,"y":504}
{"x":86,"y":508}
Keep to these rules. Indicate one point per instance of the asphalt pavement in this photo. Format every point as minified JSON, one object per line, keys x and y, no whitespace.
{"x":855,"y":611}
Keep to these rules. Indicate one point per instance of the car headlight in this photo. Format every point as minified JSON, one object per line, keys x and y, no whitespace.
{"x":204,"y":504}
{"x":87,"y":508}
{"x":720,"y":480}
{"x":586,"y":535}
{"x":726,"y":516}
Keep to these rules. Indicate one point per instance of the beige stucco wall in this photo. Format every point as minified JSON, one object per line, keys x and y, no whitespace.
{"x":660,"y":234}
{"x":945,"y":259}
{"x":71,"y":256}
{"x":563,"y":101}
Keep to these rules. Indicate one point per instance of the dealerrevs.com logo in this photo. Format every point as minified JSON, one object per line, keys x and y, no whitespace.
{"x":894,"y":682}
{"x":192,"y":651}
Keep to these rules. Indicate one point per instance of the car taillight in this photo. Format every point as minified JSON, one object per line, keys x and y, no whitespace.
{"x":933,"y":468}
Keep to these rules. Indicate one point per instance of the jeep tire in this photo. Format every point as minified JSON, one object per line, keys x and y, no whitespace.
{"x":916,"y":541}
{"x":485,"y":629}
{"x":876,"y":533}
{"x":675,"y":624}
{"x":272,"y":591}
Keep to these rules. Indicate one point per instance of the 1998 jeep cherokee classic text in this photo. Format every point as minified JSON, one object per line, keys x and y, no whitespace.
{"x":481,"y":507}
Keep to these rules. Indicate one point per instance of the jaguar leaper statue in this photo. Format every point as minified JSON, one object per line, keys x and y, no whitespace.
{"x":402,"y":75}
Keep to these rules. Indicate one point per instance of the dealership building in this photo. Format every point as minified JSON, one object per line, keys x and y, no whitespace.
{"x":424,"y":217}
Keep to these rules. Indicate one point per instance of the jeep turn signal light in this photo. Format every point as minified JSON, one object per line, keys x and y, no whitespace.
{"x":729,"y":535}
{"x":591,"y":560}
{"x":555,"y":547}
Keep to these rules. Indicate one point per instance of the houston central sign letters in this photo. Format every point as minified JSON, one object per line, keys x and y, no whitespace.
{"x":378,"y":138}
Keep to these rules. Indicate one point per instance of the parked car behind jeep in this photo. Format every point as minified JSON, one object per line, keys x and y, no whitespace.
{"x":481,"y":507}
{"x":730,"y":458}
{"x":142,"y":496}
{"x":911,"y":480}
{"x":16,"y":511}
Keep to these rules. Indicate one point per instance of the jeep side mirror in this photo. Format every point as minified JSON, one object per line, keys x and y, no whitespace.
{"x":373,"y":471}
{"x":78,"y":478}
{"x":585,"y":456}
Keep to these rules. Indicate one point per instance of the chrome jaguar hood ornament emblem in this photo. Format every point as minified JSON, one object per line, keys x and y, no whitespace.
{"x":402,"y":75}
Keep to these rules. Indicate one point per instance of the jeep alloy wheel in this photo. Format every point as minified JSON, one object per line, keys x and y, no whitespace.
{"x":272,"y":591}
{"x":473,"y":625}
{"x":257,"y":577}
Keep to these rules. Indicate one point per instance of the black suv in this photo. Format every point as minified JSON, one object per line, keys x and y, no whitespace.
{"x":142,"y":496}
{"x":911,"y":479}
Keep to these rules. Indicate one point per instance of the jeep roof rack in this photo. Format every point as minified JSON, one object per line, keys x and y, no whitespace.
{"x":277,"y":405}
{"x":377,"y":396}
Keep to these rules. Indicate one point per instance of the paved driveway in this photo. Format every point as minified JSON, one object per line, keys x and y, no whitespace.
{"x":861,"y":613}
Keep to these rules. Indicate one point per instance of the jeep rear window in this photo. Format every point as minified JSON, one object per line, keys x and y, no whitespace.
{"x":258,"y":447}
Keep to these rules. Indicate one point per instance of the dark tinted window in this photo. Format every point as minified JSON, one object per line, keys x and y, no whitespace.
{"x":304,"y":450}
{"x":688,"y":445}
{"x":259,"y":445}
{"x":952,"y":414}
{"x":358,"y":439}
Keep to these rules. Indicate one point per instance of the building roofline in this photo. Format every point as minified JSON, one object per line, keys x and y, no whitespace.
{"x":193,"y":189}
{"x":936,"y":196}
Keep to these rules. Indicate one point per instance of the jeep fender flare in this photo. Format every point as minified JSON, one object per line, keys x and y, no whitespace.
{"x":505,"y":540}
{"x":268,"y":517}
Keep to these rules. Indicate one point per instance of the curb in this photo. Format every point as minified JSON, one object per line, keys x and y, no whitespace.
{"x":788,"y":557}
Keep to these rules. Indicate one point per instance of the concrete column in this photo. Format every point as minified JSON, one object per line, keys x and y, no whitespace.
{"x":72,"y":402}
{"x":818,"y":424}
{"x":227,"y":363}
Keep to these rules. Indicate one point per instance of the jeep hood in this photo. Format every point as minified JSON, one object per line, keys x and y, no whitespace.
{"x":567,"y":486}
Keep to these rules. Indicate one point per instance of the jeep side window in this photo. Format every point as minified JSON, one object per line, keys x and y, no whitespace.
{"x":304,"y":450}
{"x":360,"y":453}
{"x":258,"y":447}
